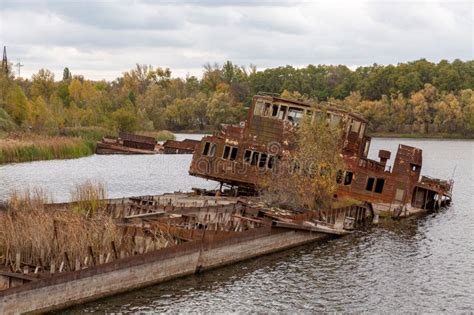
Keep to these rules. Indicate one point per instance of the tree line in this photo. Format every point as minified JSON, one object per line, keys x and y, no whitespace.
{"x":418,"y":96}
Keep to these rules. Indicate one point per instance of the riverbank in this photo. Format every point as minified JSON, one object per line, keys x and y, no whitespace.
{"x":34,"y":148}
{"x":421,"y":136}
{"x":70,"y":143}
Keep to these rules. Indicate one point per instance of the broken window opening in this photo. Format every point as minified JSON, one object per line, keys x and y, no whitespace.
{"x":267,"y":109}
{"x":370,"y":184}
{"x":335,"y":120}
{"x":275,"y":110}
{"x":361,"y":132}
{"x":263,"y":160}
{"x":415,"y":167}
{"x":212,"y":151}
{"x":206,"y":148}
{"x":295,"y":114}
{"x":348,"y":178}
{"x":254,"y":160}
{"x":259,"y":109}
{"x":379,"y":185}
{"x":233,"y":154}
{"x":226,"y":153}
{"x":355,"y":126}
{"x":271,"y":161}
{"x":282,"y":112}
{"x":247,"y":156}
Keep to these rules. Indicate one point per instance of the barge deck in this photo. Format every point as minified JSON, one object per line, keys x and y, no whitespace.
{"x":201,"y":232}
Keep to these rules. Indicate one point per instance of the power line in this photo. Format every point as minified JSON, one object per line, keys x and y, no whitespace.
{"x":19,"y":65}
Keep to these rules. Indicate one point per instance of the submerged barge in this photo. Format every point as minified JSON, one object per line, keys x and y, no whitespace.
{"x":201,"y":233}
{"x":128,"y":143}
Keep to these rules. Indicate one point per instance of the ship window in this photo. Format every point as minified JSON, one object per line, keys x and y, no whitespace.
{"x":267,"y":109}
{"x":259,"y":108}
{"x":348,"y":178}
{"x":230,"y":153}
{"x":233,"y":154}
{"x":271,"y":160}
{"x":335,"y":120}
{"x":212,"y":151}
{"x":247,"y":156}
{"x":366,"y":148}
{"x":355,"y":126}
{"x":339,"y":176}
{"x":226,"y":153}
{"x":275,"y":110}
{"x":319,"y":116}
{"x":206,"y":148}
{"x":263,"y":160}
{"x":295,"y":114}
{"x":361,"y":132}
{"x":379,"y":185}
{"x":282,"y":112}
{"x":370,"y":184}
{"x":254,"y":160}
{"x":414,"y":167}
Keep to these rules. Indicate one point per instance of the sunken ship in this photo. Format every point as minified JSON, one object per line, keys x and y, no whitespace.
{"x":239,"y":156}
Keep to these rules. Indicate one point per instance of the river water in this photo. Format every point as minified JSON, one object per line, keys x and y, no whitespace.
{"x":417,"y":265}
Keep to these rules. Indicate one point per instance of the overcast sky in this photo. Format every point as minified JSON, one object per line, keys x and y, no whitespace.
{"x":102,"y":39}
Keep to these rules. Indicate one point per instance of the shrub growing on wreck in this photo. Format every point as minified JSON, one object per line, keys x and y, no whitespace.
{"x":305,"y":177}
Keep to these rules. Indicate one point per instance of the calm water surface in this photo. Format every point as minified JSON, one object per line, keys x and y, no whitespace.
{"x":417,"y":265}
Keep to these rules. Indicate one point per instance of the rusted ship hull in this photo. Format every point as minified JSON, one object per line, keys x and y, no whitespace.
{"x":151,"y":268}
{"x":116,"y":148}
{"x":186,"y":146}
{"x":213,"y":232}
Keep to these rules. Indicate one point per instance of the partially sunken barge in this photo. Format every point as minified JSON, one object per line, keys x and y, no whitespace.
{"x":128,"y":143}
{"x":173,"y":235}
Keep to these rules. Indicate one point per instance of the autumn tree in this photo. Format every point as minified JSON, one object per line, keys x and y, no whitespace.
{"x":305,"y":177}
{"x":43,"y":84}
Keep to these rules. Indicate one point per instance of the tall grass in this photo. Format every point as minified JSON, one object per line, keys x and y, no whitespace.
{"x":43,"y":236}
{"x":31,"y":148}
{"x":89,"y":197}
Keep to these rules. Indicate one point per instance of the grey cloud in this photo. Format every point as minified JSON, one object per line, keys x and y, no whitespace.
{"x":104,"y":38}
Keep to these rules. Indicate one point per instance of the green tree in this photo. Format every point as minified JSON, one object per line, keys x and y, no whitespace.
{"x":67,"y":76}
{"x":125,"y":120}
{"x":43,"y":84}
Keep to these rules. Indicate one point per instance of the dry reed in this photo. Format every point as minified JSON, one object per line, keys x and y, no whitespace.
{"x":89,"y":197}
{"x":43,"y":237}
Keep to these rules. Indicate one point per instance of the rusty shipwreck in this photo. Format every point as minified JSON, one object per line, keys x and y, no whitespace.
{"x":128,"y":143}
{"x":172,"y":235}
{"x":239,"y":156}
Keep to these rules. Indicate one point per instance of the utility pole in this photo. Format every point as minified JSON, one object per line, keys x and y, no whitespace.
{"x":5,"y":60}
{"x":19,"y":65}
